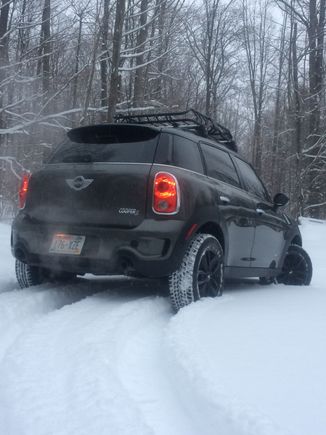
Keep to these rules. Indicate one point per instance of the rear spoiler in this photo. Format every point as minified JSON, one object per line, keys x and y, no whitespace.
{"x":112,"y":133}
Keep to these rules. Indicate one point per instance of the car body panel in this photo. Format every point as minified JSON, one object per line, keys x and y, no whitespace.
{"x":270,"y":232}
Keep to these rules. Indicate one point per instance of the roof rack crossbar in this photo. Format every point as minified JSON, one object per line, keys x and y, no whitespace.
{"x":189,"y":120}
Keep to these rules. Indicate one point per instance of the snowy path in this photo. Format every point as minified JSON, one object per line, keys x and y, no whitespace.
{"x":108,"y":357}
{"x":98,"y":366}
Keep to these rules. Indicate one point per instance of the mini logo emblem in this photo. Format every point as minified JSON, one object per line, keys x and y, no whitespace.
{"x":79,"y":183}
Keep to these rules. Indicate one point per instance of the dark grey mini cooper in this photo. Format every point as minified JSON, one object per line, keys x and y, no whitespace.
{"x":161,"y":195}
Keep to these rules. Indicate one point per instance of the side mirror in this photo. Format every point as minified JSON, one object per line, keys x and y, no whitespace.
{"x":280,"y":200}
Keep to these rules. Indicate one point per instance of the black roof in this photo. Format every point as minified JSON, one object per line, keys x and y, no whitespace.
{"x":189,"y":120}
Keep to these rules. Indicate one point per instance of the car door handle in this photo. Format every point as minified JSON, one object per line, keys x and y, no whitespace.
{"x":260,"y":211}
{"x":225,"y":200}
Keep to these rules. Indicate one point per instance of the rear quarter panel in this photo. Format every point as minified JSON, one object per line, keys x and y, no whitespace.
{"x":198,"y":200}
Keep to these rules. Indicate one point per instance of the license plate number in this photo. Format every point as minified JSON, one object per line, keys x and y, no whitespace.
{"x":67,"y":244}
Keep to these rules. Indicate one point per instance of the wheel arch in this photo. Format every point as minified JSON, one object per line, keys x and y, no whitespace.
{"x":215,"y":230}
{"x":297,"y":240}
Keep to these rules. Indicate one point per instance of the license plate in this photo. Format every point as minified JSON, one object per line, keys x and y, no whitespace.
{"x":67,"y":244}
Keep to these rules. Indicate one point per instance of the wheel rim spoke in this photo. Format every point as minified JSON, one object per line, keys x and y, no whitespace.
{"x":209,"y":274}
{"x":203,"y":289}
{"x":214,"y":265}
{"x":204,"y":263}
{"x":202,"y":277}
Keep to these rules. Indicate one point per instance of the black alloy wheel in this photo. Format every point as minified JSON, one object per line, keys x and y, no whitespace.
{"x":210,"y":273}
{"x":200,"y":274}
{"x":297,"y":267}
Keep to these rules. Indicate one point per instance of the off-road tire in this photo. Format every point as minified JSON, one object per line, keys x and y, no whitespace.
{"x":28,"y":276}
{"x":183,"y":283}
{"x":297,"y":267}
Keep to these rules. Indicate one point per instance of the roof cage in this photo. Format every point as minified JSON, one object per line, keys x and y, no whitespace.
{"x":190,"y":119}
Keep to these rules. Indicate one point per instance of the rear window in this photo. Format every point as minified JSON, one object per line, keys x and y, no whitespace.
{"x":107,"y":143}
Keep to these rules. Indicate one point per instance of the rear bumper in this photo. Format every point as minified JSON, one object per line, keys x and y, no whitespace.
{"x":153,"y":249}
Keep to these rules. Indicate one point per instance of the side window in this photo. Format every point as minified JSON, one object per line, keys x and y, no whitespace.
{"x":186,"y":154}
{"x":178,"y":151}
{"x":252,"y":182}
{"x":219,"y":165}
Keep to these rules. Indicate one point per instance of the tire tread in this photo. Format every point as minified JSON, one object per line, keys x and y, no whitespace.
{"x":181,"y":281}
{"x":27,"y":275}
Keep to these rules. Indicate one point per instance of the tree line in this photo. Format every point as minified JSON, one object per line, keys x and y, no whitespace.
{"x":256,"y":66}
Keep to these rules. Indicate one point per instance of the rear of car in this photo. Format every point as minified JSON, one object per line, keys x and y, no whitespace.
{"x":156,"y":201}
{"x":99,"y":206}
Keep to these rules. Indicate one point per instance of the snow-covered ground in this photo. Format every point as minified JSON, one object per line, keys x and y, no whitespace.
{"x":102,"y":357}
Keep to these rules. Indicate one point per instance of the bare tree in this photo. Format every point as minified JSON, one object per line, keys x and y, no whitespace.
{"x":4,"y":23}
{"x":116,"y":52}
{"x":139,"y":86}
{"x":256,"y":30}
{"x":212,"y":45}
{"x":45,"y":49}
{"x":311,"y":15}
{"x":104,"y":56}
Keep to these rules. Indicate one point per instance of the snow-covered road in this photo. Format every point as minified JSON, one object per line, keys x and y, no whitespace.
{"x":108,"y":357}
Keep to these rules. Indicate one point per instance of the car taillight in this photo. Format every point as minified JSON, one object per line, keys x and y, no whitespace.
{"x":166,"y":197}
{"x":23,"y":189}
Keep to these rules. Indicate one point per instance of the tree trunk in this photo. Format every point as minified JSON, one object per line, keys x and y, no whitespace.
{"x":277,"y":114}
{"x":139,"y":87}
{"x":75,"y":81}
{"x":117,"y":40}
{"x":316,"y":30}
{"x":297,"y":123}
{"x":104,"y":58}
{"x":46,"y":48}
{"x":4,"y":15}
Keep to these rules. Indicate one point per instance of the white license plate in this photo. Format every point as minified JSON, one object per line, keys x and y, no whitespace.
{"x":67,"y":244}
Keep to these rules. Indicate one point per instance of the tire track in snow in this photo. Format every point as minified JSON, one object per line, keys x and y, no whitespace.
{"x":145,"y":373}
{"x":19,"y":309}
{"x":115,"y":364}
{"x":104,"y":360}
{"x":220,"y":413}
{"x":63,"y":374}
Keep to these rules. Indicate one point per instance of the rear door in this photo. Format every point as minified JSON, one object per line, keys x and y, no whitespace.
{"x":234,"y":205}
{"x":270,"y":226}
{"x":97,"y":177}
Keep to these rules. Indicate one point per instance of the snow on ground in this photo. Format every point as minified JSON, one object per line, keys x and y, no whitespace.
{"x":7,"y":272}
{"x":109,"y":357}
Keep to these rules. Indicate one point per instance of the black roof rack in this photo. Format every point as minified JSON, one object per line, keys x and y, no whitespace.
{"x":190,"y":119}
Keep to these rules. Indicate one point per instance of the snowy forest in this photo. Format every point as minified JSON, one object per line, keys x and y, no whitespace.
{"x":256,"y":66}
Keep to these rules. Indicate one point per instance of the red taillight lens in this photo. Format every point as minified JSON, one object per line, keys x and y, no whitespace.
{"x":23,"y":189}
{"x":166,"y":194}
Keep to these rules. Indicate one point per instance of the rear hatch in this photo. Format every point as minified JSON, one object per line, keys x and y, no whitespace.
{"x":99,"y":176}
